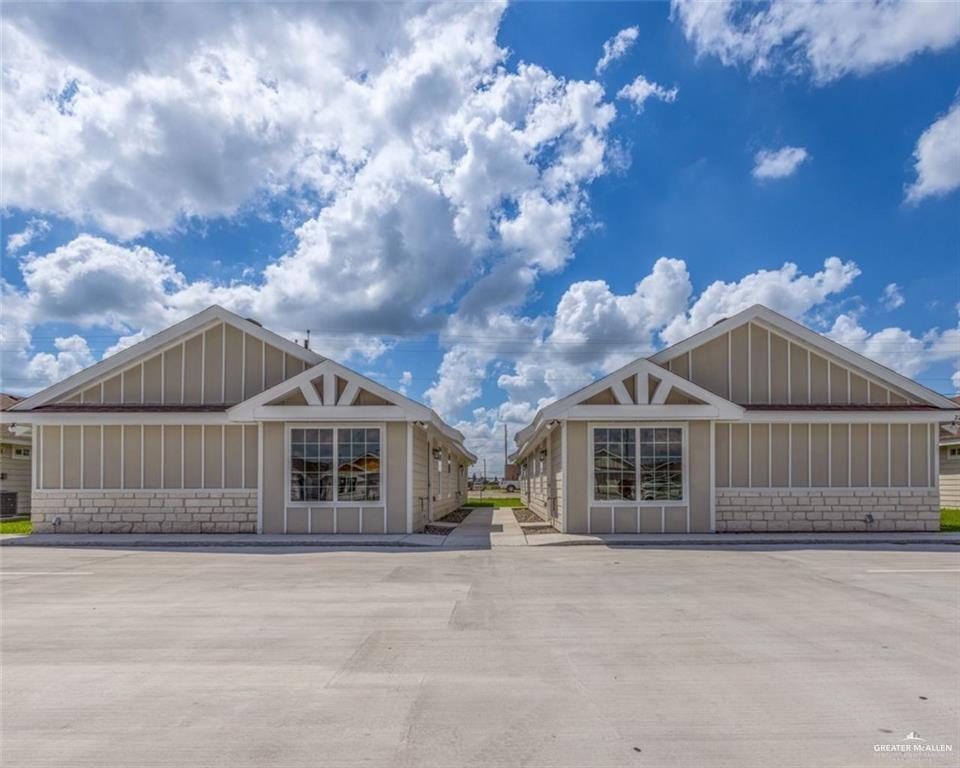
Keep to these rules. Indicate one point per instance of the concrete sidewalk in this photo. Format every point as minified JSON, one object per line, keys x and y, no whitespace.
{"x":483,"y":529}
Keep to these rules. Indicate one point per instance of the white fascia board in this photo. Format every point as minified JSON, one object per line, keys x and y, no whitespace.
{"x":159,"y":341}
{"x":331,"y":413}
{"x":830,"y":348}
{"x":650,"y":412}
{"x":850,"y":417}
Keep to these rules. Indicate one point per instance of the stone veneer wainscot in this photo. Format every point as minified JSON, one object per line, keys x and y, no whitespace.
{"x":827,"y":509}
{"x":189,"y":511}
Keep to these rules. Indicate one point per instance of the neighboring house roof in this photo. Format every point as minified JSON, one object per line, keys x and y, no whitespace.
{"x":6,"y":430}
{"x":210,"y":315}
{"x":766,"y":316}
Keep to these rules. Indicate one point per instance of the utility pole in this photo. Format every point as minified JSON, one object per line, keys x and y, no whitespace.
{"x":483,"y":484}
{"x":504,"y":451}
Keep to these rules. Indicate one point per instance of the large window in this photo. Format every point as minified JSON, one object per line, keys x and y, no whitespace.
{"x":631,"y":464}
{"x":335,"y":464}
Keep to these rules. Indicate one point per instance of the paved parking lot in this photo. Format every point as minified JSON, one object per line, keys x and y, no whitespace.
{"x":570,"y":656}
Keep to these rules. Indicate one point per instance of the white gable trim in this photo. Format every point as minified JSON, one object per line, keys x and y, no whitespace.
{"x":572,"y":405}
{"x":401,"y":408}
{"x":827,"y":347}
{"x":160,"y":341}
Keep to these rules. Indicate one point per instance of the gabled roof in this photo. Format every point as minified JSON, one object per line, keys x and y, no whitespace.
{"x":643,"y":367}
{"x":830,"y":348}
{"x":146,"y":348}
{"x":303,"y":382}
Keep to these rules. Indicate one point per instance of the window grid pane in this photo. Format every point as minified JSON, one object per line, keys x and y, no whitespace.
{"x":614,"y":464}
{"x":661,"y":464}
{"x":358,"y":465}
{"x":311,"y":465}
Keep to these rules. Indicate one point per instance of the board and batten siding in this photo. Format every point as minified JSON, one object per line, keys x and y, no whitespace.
{"x":881,"y":455}
{"x":949,"y":477}
{"x":753,"y":364}
{"x":146,"y":457}
{"x":221,"y":364}
{"x":421,"y":468}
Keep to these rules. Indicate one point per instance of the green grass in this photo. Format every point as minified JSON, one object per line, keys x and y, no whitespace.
{"x":493,"y":502}
{"x":15,"y":526}
{"x":950,"y":520}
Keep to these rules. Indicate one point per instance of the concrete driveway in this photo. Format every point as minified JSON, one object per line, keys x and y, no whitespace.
{"x":574,"y":656}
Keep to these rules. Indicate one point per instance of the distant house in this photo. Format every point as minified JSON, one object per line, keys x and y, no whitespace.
{"x":950,"y":463}
{"x":15,"y":464}
{"x":218,"y":425}
{"x":755,"y":424}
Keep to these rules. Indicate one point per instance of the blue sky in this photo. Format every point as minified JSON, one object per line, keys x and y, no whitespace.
{"x":462,"y":201}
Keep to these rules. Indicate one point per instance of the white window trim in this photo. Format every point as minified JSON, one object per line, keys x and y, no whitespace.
{"x":684,"y":501}
{"x":290,"y":426}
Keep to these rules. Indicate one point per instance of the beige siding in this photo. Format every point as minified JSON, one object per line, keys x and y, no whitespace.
{"x":421,"y":498}
{"x":112,"y":456}
{"x":172,"y":375}
{"x":50,"y":457}
{"x":221,"y":364}
{"x":396,"y":488}
{"x":233,"y":456}
{"x":193,"y":369}
{"x":879,"y":451}
{"x":233,"y":375}
{"x":130,"y":440}
{"x":722,"y":455}
{"x":193,"y":456}
{"x":72,"y":457}
{"x":859,"y":455}
{"x":698,"y":463}
{"x":213,"y":365}
{"x":16,"y":476}
{"x":756,"y":364}
{"x":253,"y":367}
{"x":709,"y":363}
{"x":760,"y":455}
{"x":251,"y":438}
{"x":575,"y":510}
{"x":173,"y":456}
{"x":759,"y":364}
{"x":113,"y":389}
{"x":91,"y":456}
{"x":825,"y":455}
{"x":556,"y":473}
{"x":153,"y":380}
{"x":949,"y":478}
{"x":213,"y":457}
{"x":840,"y":455}
{"x":153,"y":456}
{"x":779,"y":455}
{"x":899,"y":455}
{"x":132,"y":381}
{"x":273,"y":477}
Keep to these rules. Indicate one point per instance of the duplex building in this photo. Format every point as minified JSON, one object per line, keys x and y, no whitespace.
{"x":755,"y":424}
{"x":219,"y":425}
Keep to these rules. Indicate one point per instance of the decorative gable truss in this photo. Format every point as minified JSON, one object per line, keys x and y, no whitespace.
{"x":329,"y":391}
{"x":640,"y":390}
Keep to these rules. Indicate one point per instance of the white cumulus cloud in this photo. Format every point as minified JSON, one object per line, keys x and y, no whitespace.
{"x":826,"y":39}
{"x":938,"y":158}
{"x":641,"y":89}
{"x":778,"y":163}
{"x":617,"y":46}
{"x":34,"y":229}
{"x":892,"y":298}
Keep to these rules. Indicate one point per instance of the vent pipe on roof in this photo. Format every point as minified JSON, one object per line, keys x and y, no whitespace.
{"x":255,"y":322}
{"x":306,"y":341}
